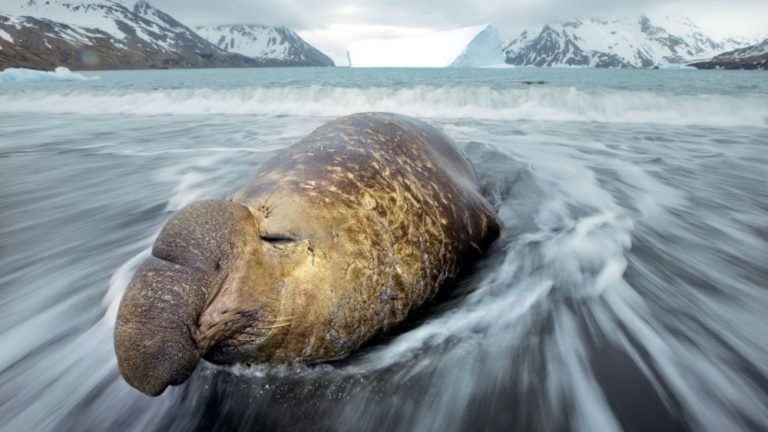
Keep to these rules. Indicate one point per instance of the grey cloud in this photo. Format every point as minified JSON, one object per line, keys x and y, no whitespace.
{"x":193,"y":12}
{"x":507,"y":16}
{"x":302,"y":15}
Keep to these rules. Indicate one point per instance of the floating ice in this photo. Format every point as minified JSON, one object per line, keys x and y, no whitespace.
{"x":465,"y":47}
{"x":18,"y":75}
{"x":672,"y":66}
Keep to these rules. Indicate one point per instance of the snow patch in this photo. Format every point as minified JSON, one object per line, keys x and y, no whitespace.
{"x":73,"y":36}
{"x":464,"y":47}
{"x":20,"y":75}
{"x":6,"y":36}
{"x":93,"y":14}
{"x":151,"y":14}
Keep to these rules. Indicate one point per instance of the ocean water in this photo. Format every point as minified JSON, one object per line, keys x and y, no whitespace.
{"x":628,"y":291}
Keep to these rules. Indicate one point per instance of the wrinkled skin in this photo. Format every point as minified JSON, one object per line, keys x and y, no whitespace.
{"x":333,"y":240}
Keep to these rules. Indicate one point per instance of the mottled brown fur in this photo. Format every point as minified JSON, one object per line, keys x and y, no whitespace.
{"x":346,"y":232}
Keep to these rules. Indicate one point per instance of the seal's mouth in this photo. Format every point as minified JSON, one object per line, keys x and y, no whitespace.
{"x":252,"y":337}
{"x":241,"y":340}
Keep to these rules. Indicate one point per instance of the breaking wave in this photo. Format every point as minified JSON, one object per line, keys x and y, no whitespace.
{"x":539,"y":103}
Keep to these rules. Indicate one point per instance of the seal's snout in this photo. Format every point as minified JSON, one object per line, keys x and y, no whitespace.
{"x":150,"y":359}
{"x":154,"y":339}
{"x":157,"y":323}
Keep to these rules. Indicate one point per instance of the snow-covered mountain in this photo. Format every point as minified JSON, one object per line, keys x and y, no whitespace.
{"x":464,"y":47}
{"x":751,"y":57}
{"x":597,"y":42}
{"x":105,"y":34}
{"x":259,"y":41}
{"x":101,"y":34}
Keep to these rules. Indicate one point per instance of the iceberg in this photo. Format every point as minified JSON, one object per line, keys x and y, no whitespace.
{"x":19,"y":75}
{"x":474,"y":46}
{"x":674,"y":66}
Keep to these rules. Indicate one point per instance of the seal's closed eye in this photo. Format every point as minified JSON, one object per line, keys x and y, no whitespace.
{"x":277,"y":239}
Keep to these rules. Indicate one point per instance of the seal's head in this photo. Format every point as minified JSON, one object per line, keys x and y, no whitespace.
{"x":213,"y":288}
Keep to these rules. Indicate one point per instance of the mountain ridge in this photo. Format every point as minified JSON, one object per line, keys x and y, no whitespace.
{"x":107,"y":34}
{"x":110,"y":34}
{"x":262,"y":41}
{"x":618,"y":42}
{"x":750,"y":57}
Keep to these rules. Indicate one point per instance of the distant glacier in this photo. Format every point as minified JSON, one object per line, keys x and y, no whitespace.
{"x":473,"y":46}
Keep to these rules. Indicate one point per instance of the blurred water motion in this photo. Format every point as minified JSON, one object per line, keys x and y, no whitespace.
{"x":628,"y":290}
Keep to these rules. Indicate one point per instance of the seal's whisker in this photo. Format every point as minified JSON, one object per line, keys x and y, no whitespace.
{"x":275,"y":325}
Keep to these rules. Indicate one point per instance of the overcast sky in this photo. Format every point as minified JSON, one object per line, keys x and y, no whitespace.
{"x":330,"y":25}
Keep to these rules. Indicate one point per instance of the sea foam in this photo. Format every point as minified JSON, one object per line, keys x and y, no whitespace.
{"x":540,"y":103}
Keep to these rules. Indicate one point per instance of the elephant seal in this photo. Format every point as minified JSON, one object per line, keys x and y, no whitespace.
{"x":333,"y":240}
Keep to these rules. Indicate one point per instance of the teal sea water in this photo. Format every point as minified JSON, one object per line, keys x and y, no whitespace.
{"x":628,"y":291}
